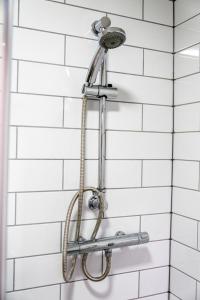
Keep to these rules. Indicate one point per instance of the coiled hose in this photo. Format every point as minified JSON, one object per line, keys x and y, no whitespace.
{"x":79,"y":196}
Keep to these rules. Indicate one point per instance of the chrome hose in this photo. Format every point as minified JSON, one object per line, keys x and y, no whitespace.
{"x":79,"y":196}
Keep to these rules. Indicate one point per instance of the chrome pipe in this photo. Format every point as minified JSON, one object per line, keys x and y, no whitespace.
{"x":108,"y":243}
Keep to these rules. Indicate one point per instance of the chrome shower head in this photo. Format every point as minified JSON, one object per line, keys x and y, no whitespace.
{"x":112,"y":37}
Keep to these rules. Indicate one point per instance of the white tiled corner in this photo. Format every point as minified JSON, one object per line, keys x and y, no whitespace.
{"x":182,"y":285}
{"x":35,"y":175}
{"x":28,"y":240}
{"x":158,"y":64}
{"x":158,"y":11}
{"x":187,"y":117}
{"x":45,"y":293}
{"x":158,"y":226}
{"x":186,"y":174}
{"x":38,"y":46}
{"x":154,"y":281}
{"x":156,"y":173}
{"x":184,"y":230}
{"x":157,"y":118}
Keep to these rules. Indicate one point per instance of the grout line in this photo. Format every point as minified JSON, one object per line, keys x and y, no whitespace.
{"x":151,"y":295}
{"x":18,"y":17}
{"x":178,"y":51}
{"x":174,"y":296}
{"x":177,"y":269}
{"x":143,"y":10}
{"x":193,"y":17}
{"x":185,"y":245}
{"x":180,"y":215}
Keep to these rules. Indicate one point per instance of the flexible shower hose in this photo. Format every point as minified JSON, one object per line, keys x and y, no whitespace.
{"x":79,"y":196}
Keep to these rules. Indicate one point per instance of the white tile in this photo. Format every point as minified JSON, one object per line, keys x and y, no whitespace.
{"x":9,"y":275}
{"x":187,"y":34}
{"x":72,"y":171}
{"x":158,"y":226}
{"x":158,"y":64}
{"x":12,"y":142}
{"x":185,"y":10}
{"x":142,"y":89}
{"x":42,"y":207}
{"x":150,"y":255}
{"x":186,"y":146}
{"x":14,"y":76}
{"x":55,"y":143}
{"x":31,"y":240}
{"x":158,"y":11}
{"x":38,"y":46}
{"x":57,"y":17}
{"x":15,"y":12}
{"x":186,"y":61}
{"x":156,"y":297}
{"x":156,"y":173}
{"x":38,"y":271}
{"x":127,"y":202}
{"x":30,"y":175}
{"x":123,"y":116}
{"x":126,"y":60}
{"x":154,"y":281}
{"x":35,"y":110}
{"x":10,"y":209}
{"x":187,"y":117}
{"x":187,"y":203}
{"x":157,"y":118}
{"x":198,"y":236}
{"x":186,"y":259}
{"x":187,"y":89}
{"x":134,"y":145}
{"x":186,"y":174}
{"x":122,"y":174}
{"x":51,"y":80}
{"x":130,"y":8}
{"x":182,"y":285}
{"x":184,"y":230}
{"x":145,"y":34}
{"x":93,"y":290}
{"x":72,"y":113}
{"x":44,"y":293}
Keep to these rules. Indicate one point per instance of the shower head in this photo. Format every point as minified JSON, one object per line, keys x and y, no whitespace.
{"x":112,"y":37}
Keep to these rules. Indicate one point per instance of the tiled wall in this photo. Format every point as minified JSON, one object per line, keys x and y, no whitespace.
{"x":185,"y":256}
{"x":52,"y":49}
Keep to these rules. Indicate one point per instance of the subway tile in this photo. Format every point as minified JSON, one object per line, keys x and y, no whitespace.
{"x":93,"y":290}
{"x":57,"y":17}
{"x":38,"y":271}
{"x":186,"y":89}
{"x":55,"y":143}
{"x":182,"y":285}
{"x":35,"y":175}
{"x":187,"y":117}
{"x":186,"y":203}
{"x":158,"y":226}
{"x":185,"y":10}
{"x":134,"y":145}
{"x":185,"y":259}
{"x":184,"y":230}
{"x":123,"y":116}
{"x":12,"y":142}
{"x":150,"y":255}
{"x":73,"y":167}
{"x":73,"y":110}
{"x":158,"y":11}
{"x":9,"y":275}
{"x":186,"y":146}
{"x":123,"y":174}
{"x":29,"y":240}
{"x":157,"y":118}
{"x":186,"y":62}
{"x":42,"y":207}
{"x":44,"y":293}
{"x":11,"y":208}
{"x":145,"y":34}
{"x":154,"y":281}
{"x":38,"y":46}
{"x":51,"y":80}
{"x":138,"y":201}
{"x":35,"y":110}
{"x":156,"y":173}
{"x":158,"y":64}
{"x":130,"y":8}
{"x":142,"y":89}
{"x":187,"y":34}
{"x":186,"y":174}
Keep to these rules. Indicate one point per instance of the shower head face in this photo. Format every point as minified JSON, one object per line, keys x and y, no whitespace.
{"x":112,"y":37}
